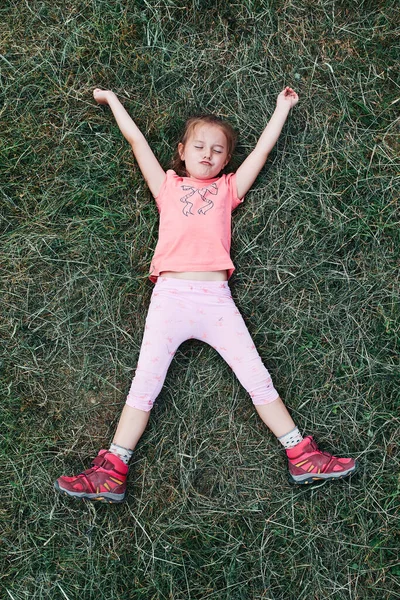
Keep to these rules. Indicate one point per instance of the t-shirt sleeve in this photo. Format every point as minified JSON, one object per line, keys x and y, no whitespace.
{"x":231,"y":183}
{"x":169,"y":176}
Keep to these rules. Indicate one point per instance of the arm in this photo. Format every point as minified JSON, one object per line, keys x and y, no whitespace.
{"x":250,"y":168}
{"x":151,"y":169}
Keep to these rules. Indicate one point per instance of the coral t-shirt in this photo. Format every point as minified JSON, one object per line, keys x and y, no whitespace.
{"x":195,"y":224}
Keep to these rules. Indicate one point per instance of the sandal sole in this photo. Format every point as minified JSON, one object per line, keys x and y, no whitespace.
{"x":107,"y":498}
{"x":313,"y":478}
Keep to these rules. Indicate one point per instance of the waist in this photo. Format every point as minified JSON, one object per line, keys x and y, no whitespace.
{"x":196,"y":275}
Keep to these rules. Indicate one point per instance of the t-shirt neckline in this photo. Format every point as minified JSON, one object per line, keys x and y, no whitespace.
{"x":212,"y":180}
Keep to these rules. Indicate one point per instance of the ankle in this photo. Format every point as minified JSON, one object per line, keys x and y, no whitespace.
{"x":125,"y":454}
{"x":291,"y":439}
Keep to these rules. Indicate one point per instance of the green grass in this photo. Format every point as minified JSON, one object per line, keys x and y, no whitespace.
{"x":209,"y":512}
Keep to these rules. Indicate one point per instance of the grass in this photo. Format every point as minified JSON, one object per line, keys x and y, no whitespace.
{"x":209,"y":512}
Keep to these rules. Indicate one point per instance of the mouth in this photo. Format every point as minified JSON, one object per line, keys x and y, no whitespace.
{"x":205,"y":162}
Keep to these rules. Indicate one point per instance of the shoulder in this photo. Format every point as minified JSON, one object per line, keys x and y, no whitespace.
{"x":171,"y":173}
{"x":171,"y":178}
{"x":229,"y":181}
{"x":227,"y":178}
{"x":171,"y":182}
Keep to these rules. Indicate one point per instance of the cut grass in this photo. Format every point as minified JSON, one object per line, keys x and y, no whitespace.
{"x":209,"y":513}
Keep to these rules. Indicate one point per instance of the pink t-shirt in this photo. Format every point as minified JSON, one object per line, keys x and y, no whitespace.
{"x":195,"y":224}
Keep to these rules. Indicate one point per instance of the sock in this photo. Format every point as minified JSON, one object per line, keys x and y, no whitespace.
{"x":291,"y":439}
{"x":123,"y":453}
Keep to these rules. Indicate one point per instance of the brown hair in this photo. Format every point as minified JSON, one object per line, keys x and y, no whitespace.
{"x":178,"y":165}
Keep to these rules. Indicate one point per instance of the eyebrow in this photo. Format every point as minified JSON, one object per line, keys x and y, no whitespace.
{"x":201,"y":142}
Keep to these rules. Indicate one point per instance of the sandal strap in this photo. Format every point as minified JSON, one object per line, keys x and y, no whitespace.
{"x":101,"y":461}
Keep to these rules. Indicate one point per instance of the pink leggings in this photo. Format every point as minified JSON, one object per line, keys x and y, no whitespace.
{"x":203,"y":310}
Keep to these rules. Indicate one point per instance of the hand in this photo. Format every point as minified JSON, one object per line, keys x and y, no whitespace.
{"x":287,"y":98}
{"x":101,"y":96}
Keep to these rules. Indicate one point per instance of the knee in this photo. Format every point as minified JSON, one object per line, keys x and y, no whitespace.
{"x":262,"y":399}
{"x":142,"y":402}
{"x":263,"y":392}
{"x":146,"y":386}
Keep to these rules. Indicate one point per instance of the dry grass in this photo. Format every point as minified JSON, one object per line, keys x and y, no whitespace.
{"x":209,"y":513}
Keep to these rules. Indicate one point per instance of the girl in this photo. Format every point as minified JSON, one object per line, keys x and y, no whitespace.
{"x":191,"y":298}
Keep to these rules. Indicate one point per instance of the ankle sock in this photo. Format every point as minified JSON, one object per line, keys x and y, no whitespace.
{"x":123,"y":453}
{"x":291,"y":439}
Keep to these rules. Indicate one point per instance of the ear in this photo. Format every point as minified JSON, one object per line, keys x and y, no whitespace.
{"x":228,"y":158}
{"x":181,"y":151}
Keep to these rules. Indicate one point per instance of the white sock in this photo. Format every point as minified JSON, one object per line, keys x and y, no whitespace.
{"x":123,"y":453}
{"x":291,"y":439}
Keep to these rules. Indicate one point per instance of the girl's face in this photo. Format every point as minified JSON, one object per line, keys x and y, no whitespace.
{"x":206,"y":152}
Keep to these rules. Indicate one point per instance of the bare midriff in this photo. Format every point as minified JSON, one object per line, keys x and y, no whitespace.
{"x":196,"y":275}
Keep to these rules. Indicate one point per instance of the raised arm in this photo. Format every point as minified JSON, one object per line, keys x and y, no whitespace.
{"x":151,"y":169}
{"x":252,"y":165}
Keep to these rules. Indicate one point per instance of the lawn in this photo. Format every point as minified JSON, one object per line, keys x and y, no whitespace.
{"x":210,"y":513}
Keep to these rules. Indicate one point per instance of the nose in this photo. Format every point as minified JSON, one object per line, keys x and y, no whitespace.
{"x":207,"y":153}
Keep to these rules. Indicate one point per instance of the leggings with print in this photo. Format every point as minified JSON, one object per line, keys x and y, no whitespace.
{"x":202,"y":310}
